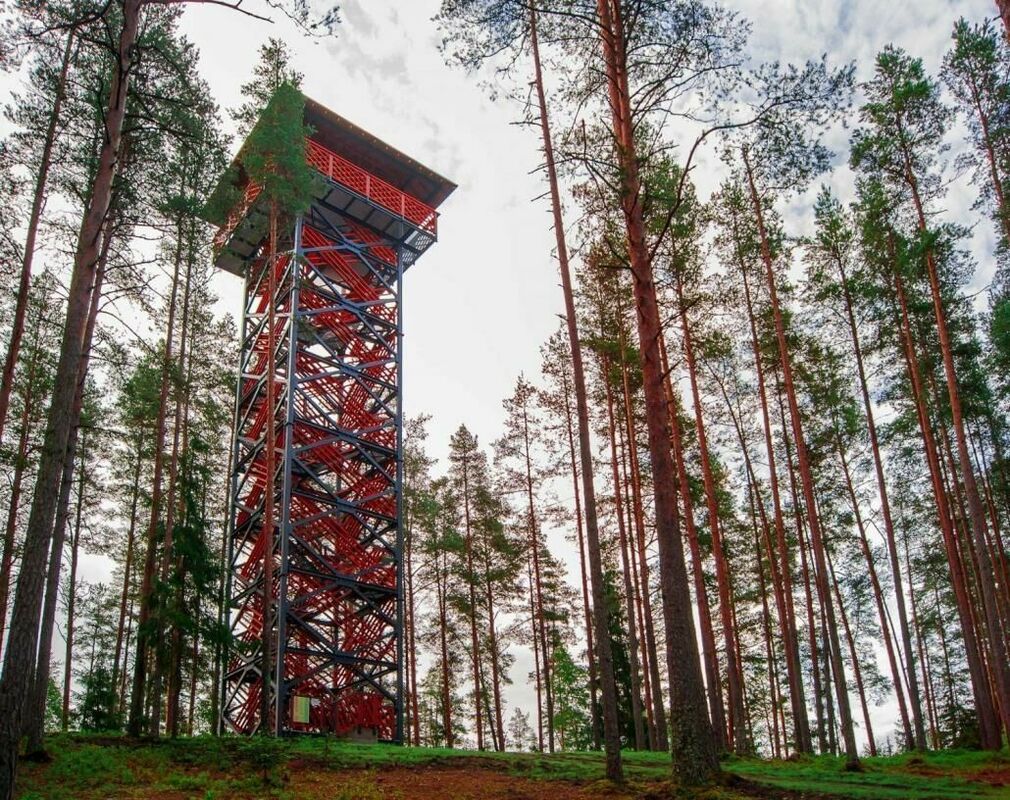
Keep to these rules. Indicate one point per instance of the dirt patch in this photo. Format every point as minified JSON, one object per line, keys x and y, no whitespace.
{"x":995,"y":776}
{"x":424,"y":783}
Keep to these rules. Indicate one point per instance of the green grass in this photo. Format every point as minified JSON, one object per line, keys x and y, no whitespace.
{"x":930,"y":776}
{"x":209,"y":767}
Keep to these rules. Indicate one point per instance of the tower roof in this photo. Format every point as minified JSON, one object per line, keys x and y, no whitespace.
{"x":356,"y":145}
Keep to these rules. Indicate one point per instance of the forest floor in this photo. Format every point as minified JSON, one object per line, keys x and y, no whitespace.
{"x":204,"y":768}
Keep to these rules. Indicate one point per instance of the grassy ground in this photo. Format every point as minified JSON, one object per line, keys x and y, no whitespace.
{"x":89,"y":768}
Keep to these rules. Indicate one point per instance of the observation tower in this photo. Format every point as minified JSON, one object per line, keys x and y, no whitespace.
{"x":315,"y":543}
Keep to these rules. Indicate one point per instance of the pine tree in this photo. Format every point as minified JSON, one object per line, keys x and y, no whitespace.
{"x":904,"y":121}
{"x":830,"y":253}
{"x":479,"y":31}
{"x":271,"y":71}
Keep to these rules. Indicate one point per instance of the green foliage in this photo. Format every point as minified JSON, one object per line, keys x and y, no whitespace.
{"x":266,"y":755}
{"x":97,"y":708}
{"x":571,"y":701}
{"x":903,"y":118}
{"x":88,"y":767}
{"x":54,"y":707}
{"x":274,"y":153}
{"x":271,"y":71}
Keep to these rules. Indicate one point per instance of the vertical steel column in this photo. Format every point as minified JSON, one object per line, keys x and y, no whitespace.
{"x":222,"y":688}
{"x":400,"y":654}
{"x":280,"y":685}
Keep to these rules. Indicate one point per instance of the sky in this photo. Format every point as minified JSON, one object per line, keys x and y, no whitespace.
{"x":480,"y":302}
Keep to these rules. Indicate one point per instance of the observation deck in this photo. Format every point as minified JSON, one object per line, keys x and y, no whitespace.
{"x":361,"y":177}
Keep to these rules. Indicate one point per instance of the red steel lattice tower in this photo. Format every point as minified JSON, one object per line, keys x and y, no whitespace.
{"x":315,"y":538}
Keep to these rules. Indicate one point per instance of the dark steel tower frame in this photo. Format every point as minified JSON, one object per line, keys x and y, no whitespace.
{"x":337,"y":643}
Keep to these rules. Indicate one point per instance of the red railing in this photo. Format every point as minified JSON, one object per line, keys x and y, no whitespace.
{"x":353,"y":177}
{"x":375,"y":189}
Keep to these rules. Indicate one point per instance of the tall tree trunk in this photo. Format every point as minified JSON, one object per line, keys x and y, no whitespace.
{"x":499,"y":727}
{"x":653,"y":686}
{"x":695,"y":758}
{"x":23,"y":636}
{"x":710,"y":658}
{"x":29,"y":400}
{"x":583,"y":572}
{"x":443,"y":628}
{"x":75,"y":545}
{"x":989,"y":732}
{"x":918,"y":739}
{"x":999,"y":662}
{"x":534,"y":530}
{"x":821,"y":680}
{"x":128,"y":563}
{"x":878,"y":597}
{"x":34,"y":220}
{"x":193,"y":674}
{"x":927,"y":683}
{"x":37,"y":690}
{"x":828,"y":702}
{"x":474,"y":641}
{"x":632,"y":519}
{"x":636,"y":697}
{"x":537,"y":673}
{"x":760,"y":526}
{"x":854,"y":658}
{"x":782,"y":585}
{"x":139,"y":689}
{"x":415,"y":722}
{"x":734,"y":674}
{"x":175,"y":506}
{"x":601,"y":614}
{"x":807,"y":483}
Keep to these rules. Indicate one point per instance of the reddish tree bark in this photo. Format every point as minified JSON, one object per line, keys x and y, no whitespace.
{"x":693,"y":741}
{"x":601,"y":615}
{"x":710,"y":659}
{"x":629,"y":592}
{"x":499,"y":728}
{"x":653,"y":686}
{"x":918,"y":736}
{"x":34,"y":220}
{"x":782,"y":583}
{"x":988,"y":723}
{"x":23,"y":636}
{"x":128,"y":564}
{"x":75,"y":545}
{"x":878,"y":597}
{"x":441,"y":593}
{"x":138,"y":691}
{"x":807,"y":483}
{"x":734,"y":675}
{"x":29,"y":400}
{"x":999,"y":662}
{"x":36,"y":703}
{"x":583,"y":572}
{"x":854,"y":658}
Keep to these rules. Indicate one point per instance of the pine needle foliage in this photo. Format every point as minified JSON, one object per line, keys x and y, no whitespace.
{"x":274,"y":153}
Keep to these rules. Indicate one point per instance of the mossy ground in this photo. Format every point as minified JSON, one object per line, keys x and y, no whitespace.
{"x":205,"y":768}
